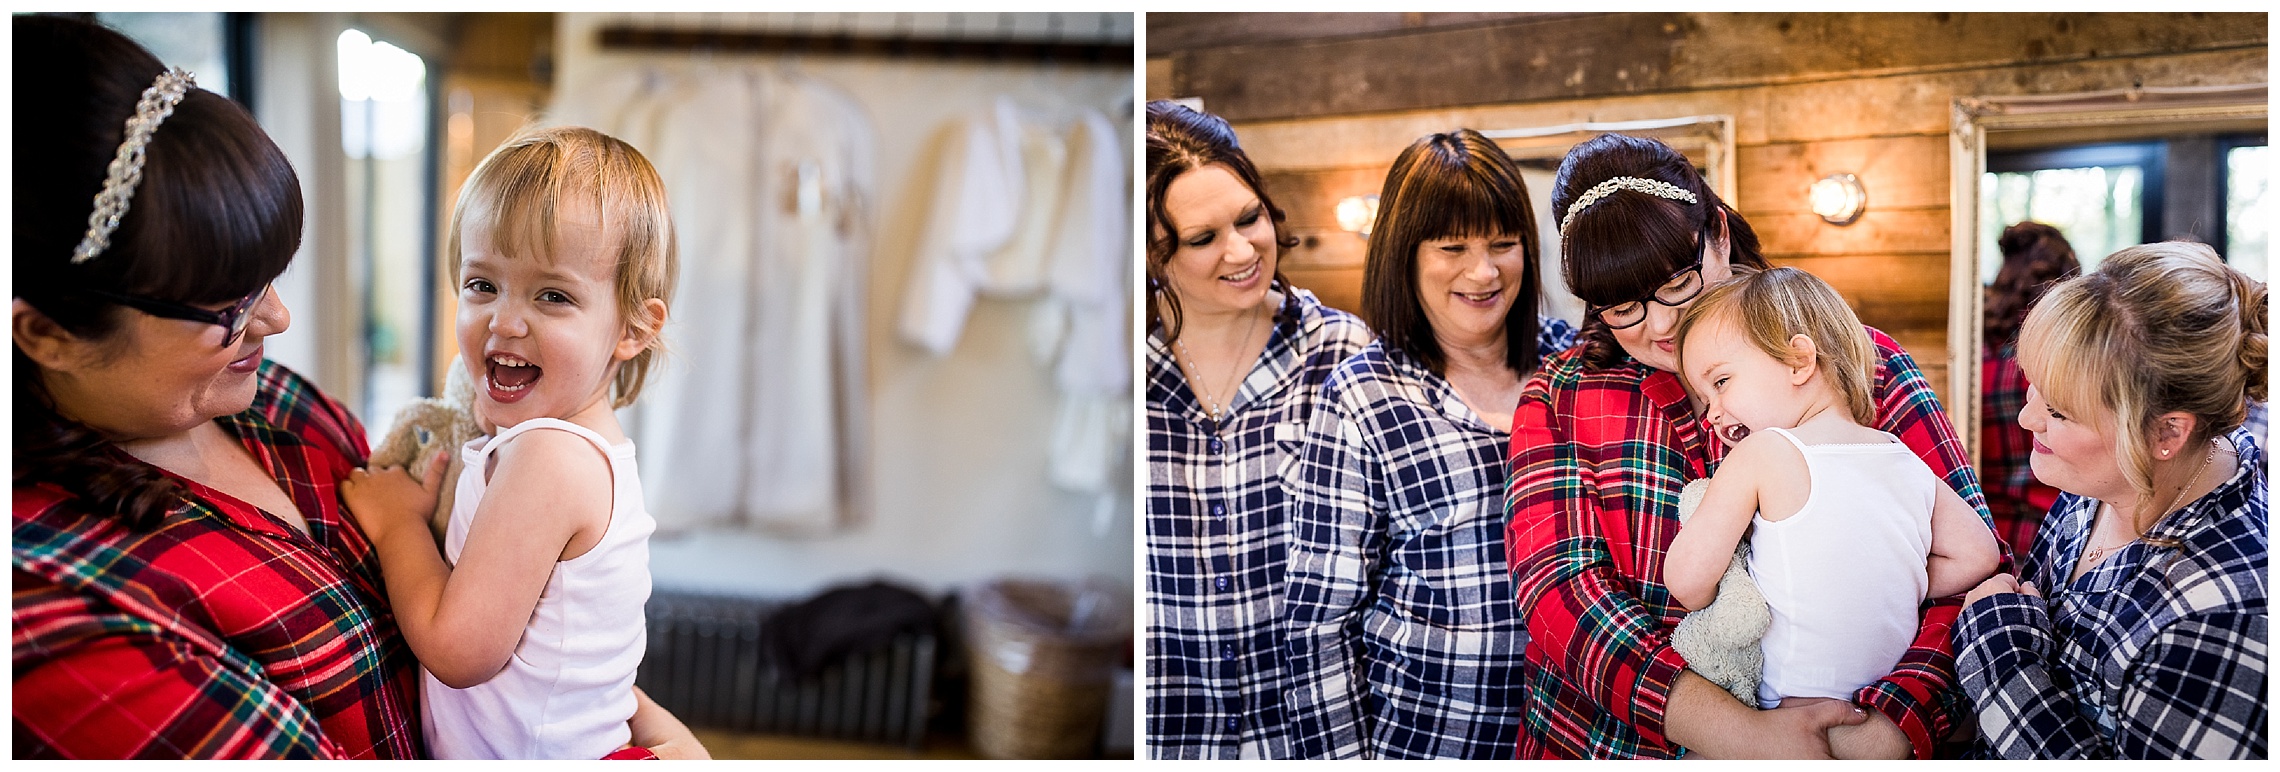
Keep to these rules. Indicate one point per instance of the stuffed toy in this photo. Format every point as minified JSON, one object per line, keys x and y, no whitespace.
{"x":428,"y":426}
{"x":1720,"y":642}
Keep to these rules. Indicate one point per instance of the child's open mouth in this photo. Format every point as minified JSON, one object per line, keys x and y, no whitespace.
{"x":509,"y":377}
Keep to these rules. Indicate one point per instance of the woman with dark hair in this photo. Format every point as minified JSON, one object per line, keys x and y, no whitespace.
{"x":2154,"y":639}
{"x":1236,"y":358}
{"x":186,"y":584}
{"x":1405,"y":641}
{"x":2035,"y":256}
{"x":1604,"y":439}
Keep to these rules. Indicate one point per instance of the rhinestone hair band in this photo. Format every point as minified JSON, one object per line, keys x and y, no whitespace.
{"x":118,"y":193}
{"x":1656,"y":188}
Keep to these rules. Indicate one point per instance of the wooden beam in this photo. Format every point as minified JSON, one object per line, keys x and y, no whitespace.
{"x":1606,"y":55}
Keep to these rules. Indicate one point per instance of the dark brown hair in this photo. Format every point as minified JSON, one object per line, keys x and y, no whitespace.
{"x":2034,"y":257}
{"x":217,"y":216}
{"x":1181,"y":140}
{"x":1448,"y":186}
{"x":1622,"y":247}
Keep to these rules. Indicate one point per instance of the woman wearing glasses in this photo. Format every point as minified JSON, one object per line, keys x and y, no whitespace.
{"x":185,"y":583}
{"x":1602,"y":442}
{"x":1405,"y":642}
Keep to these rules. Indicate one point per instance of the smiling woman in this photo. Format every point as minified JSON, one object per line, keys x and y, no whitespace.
{"x":1236,"y":358}
{"x":1406,"y":642}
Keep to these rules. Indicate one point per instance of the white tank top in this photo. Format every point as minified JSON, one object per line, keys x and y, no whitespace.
{"x":1845,"y":575}
{"x":568,"y":690}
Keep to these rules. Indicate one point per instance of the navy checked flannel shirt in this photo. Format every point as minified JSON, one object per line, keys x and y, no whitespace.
{"x":1218,"y":537}
{"x":1405,"y":638}
{"x":2155,"y":653}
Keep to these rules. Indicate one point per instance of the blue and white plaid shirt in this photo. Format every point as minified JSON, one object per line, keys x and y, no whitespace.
{"x":1405,"y":639}
{"x":1218,"y":538}
{"x":2155,"y":653}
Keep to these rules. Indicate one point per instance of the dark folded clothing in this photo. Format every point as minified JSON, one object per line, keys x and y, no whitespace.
{"x":813,"y":634}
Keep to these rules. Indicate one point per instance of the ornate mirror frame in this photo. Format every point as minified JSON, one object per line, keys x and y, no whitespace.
{"x":2000,"y":121}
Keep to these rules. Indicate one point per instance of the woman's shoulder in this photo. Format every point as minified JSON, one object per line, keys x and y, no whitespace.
{"x":1375,"y":372}
{"x":1324,"y":330}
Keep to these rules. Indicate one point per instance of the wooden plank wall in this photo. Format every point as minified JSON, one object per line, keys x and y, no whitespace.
{"x":1812,"y":94}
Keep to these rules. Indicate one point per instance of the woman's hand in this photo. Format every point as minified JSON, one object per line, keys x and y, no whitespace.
{"x":655,"y":728}
{"x":2000,"y":583}
{"x":1799,"y":729}
{"x":1876,"y":738}
{"x":379,"y":501}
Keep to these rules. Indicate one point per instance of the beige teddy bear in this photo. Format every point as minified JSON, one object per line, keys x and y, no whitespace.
{"x":427,"y":426}
{"x":1720,"y":642}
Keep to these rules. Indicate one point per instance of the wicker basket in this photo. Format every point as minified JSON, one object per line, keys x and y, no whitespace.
{"x":1044,"y":655}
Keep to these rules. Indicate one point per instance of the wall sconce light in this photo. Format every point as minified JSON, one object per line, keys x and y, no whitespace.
{"x":1357,"y":214}
{"x":1839,"y":198}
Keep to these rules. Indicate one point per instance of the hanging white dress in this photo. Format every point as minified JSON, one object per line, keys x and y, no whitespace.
{"x":814,"y":178}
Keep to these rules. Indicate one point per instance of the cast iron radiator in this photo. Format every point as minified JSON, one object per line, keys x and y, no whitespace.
{"x":707,"y":665}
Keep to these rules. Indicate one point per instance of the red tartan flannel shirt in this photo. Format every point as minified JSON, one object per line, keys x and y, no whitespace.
{"x":1598,"y":458}
{"x":222,"y":632}
{"x":2016,"y":500}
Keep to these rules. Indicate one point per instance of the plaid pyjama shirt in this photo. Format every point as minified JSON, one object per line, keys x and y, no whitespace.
{"x":1598,"y":458}
{"x":2156,"y":653}
{"x":223,"y":632}
{"x":1404,"y":638}
{"x":1218,"y":537}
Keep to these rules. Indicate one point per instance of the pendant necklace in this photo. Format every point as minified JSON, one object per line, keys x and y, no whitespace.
{"x":1211,"y":404}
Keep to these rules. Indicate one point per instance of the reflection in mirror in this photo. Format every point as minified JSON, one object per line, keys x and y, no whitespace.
{"x":2060,"y":183}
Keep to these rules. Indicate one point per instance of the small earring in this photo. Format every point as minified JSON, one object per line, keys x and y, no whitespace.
{"x":2165,"y":454}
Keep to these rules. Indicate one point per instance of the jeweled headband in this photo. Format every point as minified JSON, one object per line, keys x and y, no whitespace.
{"x":1657,"y":188}
{"x":118,"y":193}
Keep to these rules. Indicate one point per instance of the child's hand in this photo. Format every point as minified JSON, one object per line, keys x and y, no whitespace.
{"x":382,"y":500}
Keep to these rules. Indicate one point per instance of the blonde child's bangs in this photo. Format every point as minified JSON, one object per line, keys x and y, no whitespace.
{"x":1773,"y":304}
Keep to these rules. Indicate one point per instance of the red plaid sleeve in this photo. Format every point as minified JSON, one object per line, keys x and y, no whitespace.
{"x":1577,"y":560}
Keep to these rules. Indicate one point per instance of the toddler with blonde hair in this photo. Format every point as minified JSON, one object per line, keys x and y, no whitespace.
{"x":1849,"y":530}
{"x":529,"y":624}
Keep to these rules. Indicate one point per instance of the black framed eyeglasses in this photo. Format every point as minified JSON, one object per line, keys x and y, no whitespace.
{"x":1674,"y":292}
{"x":233,"y":319}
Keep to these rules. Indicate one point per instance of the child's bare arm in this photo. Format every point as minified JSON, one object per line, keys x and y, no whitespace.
{"x":1705,"y":545}
{"x":1964,"y":552}
{"x":463,"y":622}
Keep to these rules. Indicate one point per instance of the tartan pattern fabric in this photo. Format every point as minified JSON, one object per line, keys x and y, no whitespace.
{"x":1218,"y":537}
{"x":2156,"y":653}
{"x":1598,"y":458}
{"x":1404,"y":638}
{"x":2015,"y":499}
{"x":222,"y":632}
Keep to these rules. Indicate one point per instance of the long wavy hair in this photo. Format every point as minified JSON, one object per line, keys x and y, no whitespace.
{"x":216,"y":217}
{"x":1181,"y":140}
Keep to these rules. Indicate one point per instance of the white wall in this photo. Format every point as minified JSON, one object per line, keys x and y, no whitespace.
{"x":959,"y":443}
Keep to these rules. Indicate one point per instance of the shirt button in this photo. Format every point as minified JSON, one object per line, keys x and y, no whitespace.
{"x":1221,"y":583}
{"x":1227,"y":651}
{"x":1233,"y":723}
{"x":1216,"y":445}
{"x":1218,"y":510}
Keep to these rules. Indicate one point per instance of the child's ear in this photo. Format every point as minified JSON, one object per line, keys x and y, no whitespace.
{"x":1803,"y":360}
{"x":641,"y":333}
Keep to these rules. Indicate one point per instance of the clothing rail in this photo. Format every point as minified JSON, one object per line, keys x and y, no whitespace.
{"x":732,"y":41}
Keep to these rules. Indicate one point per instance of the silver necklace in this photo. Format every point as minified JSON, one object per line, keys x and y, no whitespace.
{"x":2095,"y":554}
{"x":1211,"y":403}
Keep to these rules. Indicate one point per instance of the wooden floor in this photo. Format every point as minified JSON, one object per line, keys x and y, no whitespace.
{"x":733,"y":745}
